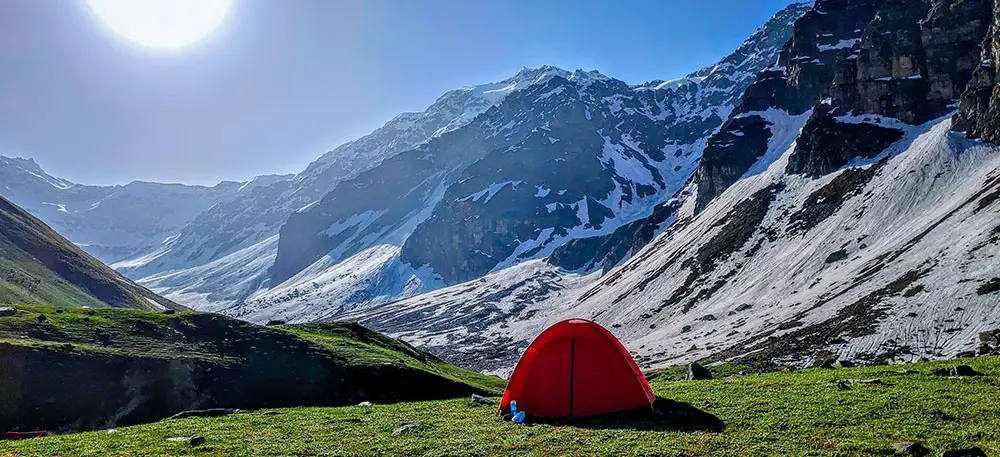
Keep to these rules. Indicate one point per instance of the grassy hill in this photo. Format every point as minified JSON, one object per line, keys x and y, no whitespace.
{"x":797,"y":414}
{"x":37,"y":265}
{"x":80,"y":369}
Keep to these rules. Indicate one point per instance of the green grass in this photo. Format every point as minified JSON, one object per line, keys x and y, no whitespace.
{"x":215,"y":338}
{"x":37,"y":265}
{"x":801,"y":414}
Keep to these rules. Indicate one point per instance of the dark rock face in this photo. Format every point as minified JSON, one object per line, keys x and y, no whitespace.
{"x":827,"y":145}
{"x":989,"y":342}
{"x":914,"y":60}
{"x":979,"y":112}
{"x":806,"y":68}
{"x":697,"y":372}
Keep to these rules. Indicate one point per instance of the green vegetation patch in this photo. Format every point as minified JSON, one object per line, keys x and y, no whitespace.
{"x":806,"y":413}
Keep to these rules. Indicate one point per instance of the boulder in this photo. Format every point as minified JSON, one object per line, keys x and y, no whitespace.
{"x":41,"y":318}
{"x":697,"y":372}
{"x":968,"y":452}
{"x":910,"y":448}
{"x":196,"y":440}
{"x":7,"y":311}
{"x":960,"y":370}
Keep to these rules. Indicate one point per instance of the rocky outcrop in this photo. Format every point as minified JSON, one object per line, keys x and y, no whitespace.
{"x":979,"y":112}
{"x":806,"y":68}
{"x":915,"y":59}
{"x":827,"y":145}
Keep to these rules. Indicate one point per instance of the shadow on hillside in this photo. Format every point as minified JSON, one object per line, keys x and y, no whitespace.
{"x":670,"y":416}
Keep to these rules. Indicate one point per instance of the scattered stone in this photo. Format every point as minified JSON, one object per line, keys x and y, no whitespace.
{"x":405,"y":427}
{"x":969,"y":452}
{"x":911,"y":448}
{"x":365,"y":403}
{"x":274,"y":322}
{"x":874,"y":382}
{"x":935,"y":413}
{"x":846,"y":364}
{"x":271,"y":413}
{"x":211,"y":412}
{"x":7,"y":311}
{"x":697,"y":372}
{"x":196,"y":440}
{"x":481,"y":400}
{"x":960,"y":370}
{"x":736,"y":376}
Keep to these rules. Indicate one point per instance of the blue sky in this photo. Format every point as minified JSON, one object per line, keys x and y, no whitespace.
{"x":281,"y":82}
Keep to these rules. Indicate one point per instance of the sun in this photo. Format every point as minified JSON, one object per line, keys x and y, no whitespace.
{"x":164,"y":24}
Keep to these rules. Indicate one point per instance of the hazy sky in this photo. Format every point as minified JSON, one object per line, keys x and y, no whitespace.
{"x":283,"y":81}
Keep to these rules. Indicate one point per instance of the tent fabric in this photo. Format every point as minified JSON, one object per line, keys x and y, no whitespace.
{"x":576,"y":368}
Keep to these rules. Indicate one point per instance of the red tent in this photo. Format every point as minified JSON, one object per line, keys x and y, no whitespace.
{"x":576,"y":368}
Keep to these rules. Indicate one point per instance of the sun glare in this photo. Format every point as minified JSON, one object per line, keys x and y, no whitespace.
{"x":161,"y":23}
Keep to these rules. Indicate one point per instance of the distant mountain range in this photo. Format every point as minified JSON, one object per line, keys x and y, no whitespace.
{"x":808,"y":196}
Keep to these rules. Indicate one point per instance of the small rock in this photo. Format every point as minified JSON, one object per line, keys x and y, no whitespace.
{"x":365,"y":403}
{"x":965,"y":355}
{"x":196,"y":440}
{"x":970,"y":452}
{"x":67,"y":346}
{"x":273,"y":322}
{"x":934,"y":412}
{"x":90,"y":312}
{"x":743,"y":307}
{"x":846,"y":364}
{"x":112,"y":430}
{"x":271,"y":413}
{"x":842,"y":385}
{"x":404,"y":427}
{"x":697,"y":372}
{"x":60,"y":311}
{"x":41,"y":318}
{"x":178,"y":438}
{"x":686,"y":329}
{"x":169,"y":311}
{"x":7,"y":311}
{"x":211,"y":412}
{"x":736,"y":376}
{"x":481,"y":400}
{"x":707,"y":318}
{"x":911,"y":448}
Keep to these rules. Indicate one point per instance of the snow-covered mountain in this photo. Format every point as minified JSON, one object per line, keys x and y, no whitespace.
{"x":214,"y":247}
{"x":570,"y":155}
{"x":840,"y":212}
{"x":112,"y":222}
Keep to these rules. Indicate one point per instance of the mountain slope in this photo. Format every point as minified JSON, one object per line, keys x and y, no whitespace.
{"x":112,"y":222}
{"x":573,"y":155}
{"x":213,"y":245}
{"x":817,"y":226}
{"x":39,"y":266}
{"x":82,"y":370}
